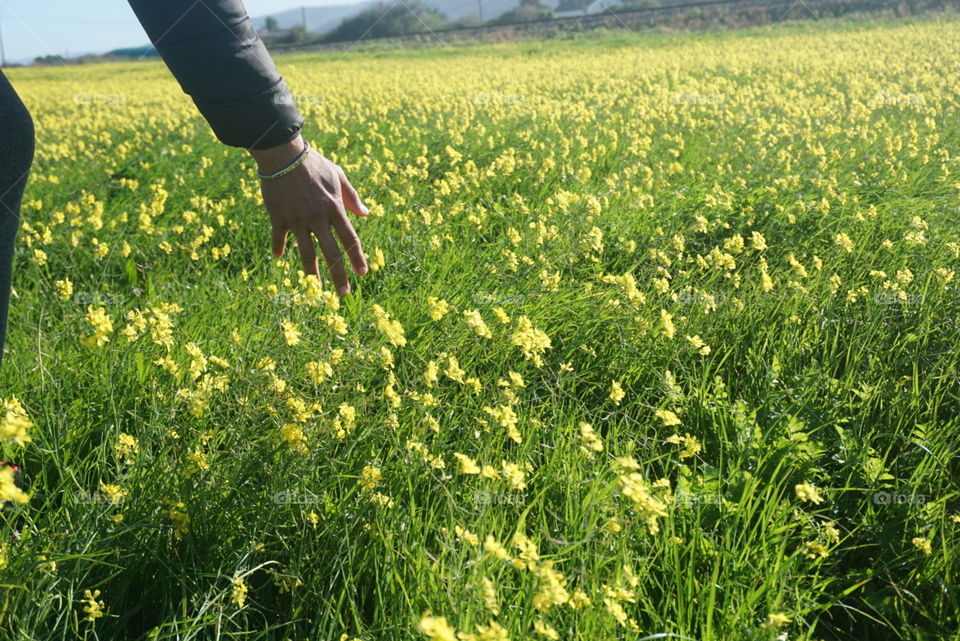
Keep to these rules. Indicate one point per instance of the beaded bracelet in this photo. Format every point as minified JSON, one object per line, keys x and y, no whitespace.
{"x":286,"y":170}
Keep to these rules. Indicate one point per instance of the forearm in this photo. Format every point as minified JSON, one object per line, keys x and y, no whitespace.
{"x":214,"y":52}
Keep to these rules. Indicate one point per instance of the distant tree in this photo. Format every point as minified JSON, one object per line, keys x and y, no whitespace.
{"x":272,"y":24}
{"x":48,"y":60}
{"x":148,"y":51}
{"x":465,"y":22}
{"x":629,"y":5}
{"x":528,"y":11}
{"x":296,"y":35}
{"x":384,"y":20}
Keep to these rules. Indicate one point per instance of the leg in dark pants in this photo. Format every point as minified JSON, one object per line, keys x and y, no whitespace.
{"x":16,"y":156}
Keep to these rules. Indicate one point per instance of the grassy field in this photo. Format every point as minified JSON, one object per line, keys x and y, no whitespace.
{"x":661,"y":343}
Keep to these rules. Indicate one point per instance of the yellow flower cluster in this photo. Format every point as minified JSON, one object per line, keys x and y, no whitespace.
{"x":102,"y":325}
{"x":648,"y":506}
{"x":392,"y":329}
{"x":532,"y":341}
{"x":14,"y":422}
{"x":93,"y":607}
{"x":807,"y":492}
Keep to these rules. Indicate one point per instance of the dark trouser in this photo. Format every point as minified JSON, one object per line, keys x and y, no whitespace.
{"x":16,"y":156}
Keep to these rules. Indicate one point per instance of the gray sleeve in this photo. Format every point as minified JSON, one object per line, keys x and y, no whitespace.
{"x":219,"y":60}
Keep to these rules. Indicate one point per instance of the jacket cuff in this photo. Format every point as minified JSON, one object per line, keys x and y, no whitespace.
{"x":258,"y":121}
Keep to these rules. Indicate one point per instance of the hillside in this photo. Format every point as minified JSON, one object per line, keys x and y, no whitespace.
{"x":323,"y":19}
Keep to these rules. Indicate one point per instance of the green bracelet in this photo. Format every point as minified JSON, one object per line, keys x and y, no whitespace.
{"x":286,"y":170}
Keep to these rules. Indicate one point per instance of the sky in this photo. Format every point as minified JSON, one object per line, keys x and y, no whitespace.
{"x":32,"y":28}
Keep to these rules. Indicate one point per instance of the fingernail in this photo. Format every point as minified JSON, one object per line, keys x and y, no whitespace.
{"x":362,"y":271}
{"x":344,"y":290}
{"x":366,"y":212}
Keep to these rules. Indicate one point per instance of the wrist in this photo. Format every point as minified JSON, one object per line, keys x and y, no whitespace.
{"x":274,"y":159}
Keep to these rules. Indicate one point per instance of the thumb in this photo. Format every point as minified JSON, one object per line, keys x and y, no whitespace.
{"x":351,"y":199}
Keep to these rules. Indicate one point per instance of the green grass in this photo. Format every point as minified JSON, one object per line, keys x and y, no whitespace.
{"x":778,"y":131}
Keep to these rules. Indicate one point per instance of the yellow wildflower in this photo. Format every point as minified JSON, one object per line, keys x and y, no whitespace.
{"x":291,"y":333}
{"x":616,"y":392}
{"x":923,"y":544}
{"x":436,"y":628}
{"x":238,"y":591}
{"x":64,"y":288}
{"x":467,"y":464}
{"x":668,"y":418}
{"x":93,"y":607}
{"x":532,"y":341}
{"x":102,"y":327}
{"x":14,"y":422}
{"x":691,"y":446}
{"x":475,"y":321}
{"x":807,"y":492}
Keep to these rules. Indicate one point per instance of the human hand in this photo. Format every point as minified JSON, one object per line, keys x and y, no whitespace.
{"x":311,"y":201}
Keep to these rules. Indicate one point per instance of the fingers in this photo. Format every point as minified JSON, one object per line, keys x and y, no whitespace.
{"x":308,"y":254}
{"x":279,"y":241}
{"x":331,"y":253}
{"x":319,"y":211}
{"x":351,"y":242}
{"x":351,"y":199}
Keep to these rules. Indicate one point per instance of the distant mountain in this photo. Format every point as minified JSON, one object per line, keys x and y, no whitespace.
{"x":323,"y":19}
{"x":319,"y":19}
